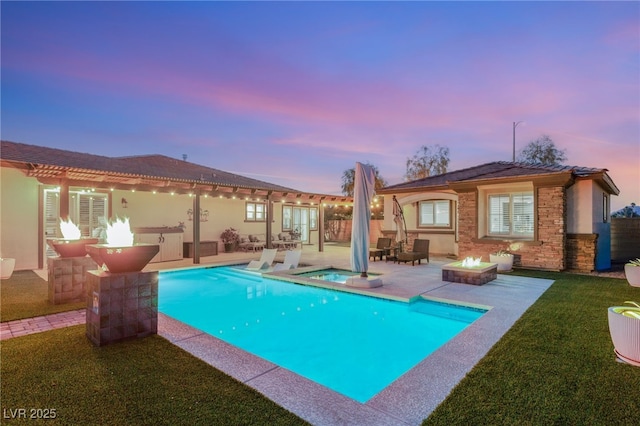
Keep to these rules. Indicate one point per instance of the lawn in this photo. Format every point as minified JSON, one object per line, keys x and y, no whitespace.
{"x":26,"y":295}
{"x":554,"y":366}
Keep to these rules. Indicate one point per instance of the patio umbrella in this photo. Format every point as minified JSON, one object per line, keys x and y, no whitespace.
{"x":398,"y":218}
{"x":364,"y":186}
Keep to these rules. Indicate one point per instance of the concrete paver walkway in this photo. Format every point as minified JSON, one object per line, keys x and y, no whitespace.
{"x":26,"y":326}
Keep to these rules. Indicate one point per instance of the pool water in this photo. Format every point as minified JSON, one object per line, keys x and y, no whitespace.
{"x":353,"y":344}
{"x":334,"y":275}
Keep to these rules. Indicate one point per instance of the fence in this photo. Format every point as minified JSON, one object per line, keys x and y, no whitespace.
{"x":625,"y":238}
{"x":340,"y":230}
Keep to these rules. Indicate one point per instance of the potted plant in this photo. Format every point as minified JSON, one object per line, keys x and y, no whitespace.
{"x":624,"y":327}
{"x":229,"y":238}
{"x":503,"y":258}
{"x":632,"y":272}
{"x":6,"y":267}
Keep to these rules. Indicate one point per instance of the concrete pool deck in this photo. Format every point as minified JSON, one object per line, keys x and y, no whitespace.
{"x":411,"y":398}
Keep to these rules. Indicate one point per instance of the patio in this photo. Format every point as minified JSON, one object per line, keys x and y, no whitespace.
{"x":412,"y":397}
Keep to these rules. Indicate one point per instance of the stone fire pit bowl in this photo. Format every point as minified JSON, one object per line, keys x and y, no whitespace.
{"x":123,"y":259}
{"x":71,"y":248}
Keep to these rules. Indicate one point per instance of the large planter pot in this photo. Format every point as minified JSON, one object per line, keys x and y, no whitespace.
{"x":228,"y":247}
{"x":505,"y":262}
{"x":633,"y":274}
{"x":6,"y":267}
{"x":625,"y":333}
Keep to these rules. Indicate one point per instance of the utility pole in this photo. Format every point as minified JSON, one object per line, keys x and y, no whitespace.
{"x":514,"y":139}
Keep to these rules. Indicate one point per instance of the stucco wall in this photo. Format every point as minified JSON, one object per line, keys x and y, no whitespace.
{"x":440,"y":241}
{"x":148,"y":209}
{"x":19,"y":218}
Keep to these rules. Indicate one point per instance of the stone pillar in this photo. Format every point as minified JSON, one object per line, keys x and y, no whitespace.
{"x":66,"y":277}
{"x":121,"y":306}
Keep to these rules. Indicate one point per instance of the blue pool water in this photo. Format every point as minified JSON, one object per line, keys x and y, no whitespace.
{"x":355,"y":345}
{"x":332,"y":274}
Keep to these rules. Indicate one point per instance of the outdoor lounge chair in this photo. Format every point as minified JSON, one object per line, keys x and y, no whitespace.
{"x":252,"y":243}
{"x":291,"y":260}
{"x":381,"y":248}
{"x":266,"y":259}
{"x":281,"y":242}
{"x":420,"y":251}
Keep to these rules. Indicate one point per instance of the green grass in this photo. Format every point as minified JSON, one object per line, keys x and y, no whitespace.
{"x":26,"y":295}
{"x":554,"y":366}
{"x":147,"y":381}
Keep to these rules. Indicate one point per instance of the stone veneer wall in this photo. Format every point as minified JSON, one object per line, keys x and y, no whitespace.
{"x":121,"y":306}
{"x":66,"y":278}
{"x":581,"y":252}
{"x":548,"y":252}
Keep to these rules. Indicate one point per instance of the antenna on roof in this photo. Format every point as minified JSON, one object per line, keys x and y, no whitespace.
{"x":184,"y":157}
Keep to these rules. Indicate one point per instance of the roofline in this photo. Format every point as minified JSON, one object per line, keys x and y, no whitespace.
{"x":51,"y":174}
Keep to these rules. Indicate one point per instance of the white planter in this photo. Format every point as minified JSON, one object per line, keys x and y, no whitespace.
{"x":505,"y":263}
{"x":625,"y":334}
{"x":633,"y":275}
{"x":6,"y":267}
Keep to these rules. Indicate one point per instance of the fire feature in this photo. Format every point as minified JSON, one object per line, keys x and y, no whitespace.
{"x":123,"y":302}
{"x":120,"y":254}
{"x":469,"y":272}
{"x":72,"y":244}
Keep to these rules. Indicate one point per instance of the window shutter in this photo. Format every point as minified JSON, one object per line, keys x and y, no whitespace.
{"x":499,"y":214}
{"x":522,"y":214}
{"x":442,"y":213}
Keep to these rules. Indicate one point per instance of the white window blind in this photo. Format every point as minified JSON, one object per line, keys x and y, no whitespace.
{"x":435,"y":213}
{"x":511,"y":214}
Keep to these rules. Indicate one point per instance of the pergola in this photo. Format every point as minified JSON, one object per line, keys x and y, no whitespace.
{"x":153,"y":173}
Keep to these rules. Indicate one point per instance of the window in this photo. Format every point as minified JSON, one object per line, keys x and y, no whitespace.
{"x":605,"y":208}
{"x":434,"y":213}
{"x":255,"y":212}
{"x":286,"y":218}
{"x":511,"y":214}
{"x":313,"y":219}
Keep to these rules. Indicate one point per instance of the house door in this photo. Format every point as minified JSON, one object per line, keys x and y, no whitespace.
{"x":301,"y":222}
{"x":88,"y":210}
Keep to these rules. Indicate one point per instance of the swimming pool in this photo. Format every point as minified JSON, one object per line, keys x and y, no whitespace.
{"x":353,"y":344}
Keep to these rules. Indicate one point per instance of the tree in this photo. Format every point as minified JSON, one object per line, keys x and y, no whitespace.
{"x":349,"y":177}
{"x":427,"y":161}
{"x":542,"y":151}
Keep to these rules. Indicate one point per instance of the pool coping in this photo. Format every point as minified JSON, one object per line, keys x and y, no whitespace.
{"x":409,"y":399}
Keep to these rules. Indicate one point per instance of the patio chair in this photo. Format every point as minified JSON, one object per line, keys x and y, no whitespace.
{"x":420,"y":251}
{"x":266,"y":259}
{"x":281,"y":242}
{"x":381,"y":248}
{"x":291,"y":260}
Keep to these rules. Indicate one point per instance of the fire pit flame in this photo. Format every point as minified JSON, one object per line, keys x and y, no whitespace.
{"x":119,"y":233}
{"x":73,"y":243}
{"x":70,"y":230}
{"x":120,"y":254}
{"x":470,"y":262}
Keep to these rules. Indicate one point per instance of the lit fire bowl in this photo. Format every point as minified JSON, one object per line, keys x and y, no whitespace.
{"x":123,"y":259}
{"x":476,"y":275}
{"x":70,"y":248}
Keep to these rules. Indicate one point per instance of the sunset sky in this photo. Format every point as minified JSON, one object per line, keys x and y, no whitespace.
{"x":294,"y":93}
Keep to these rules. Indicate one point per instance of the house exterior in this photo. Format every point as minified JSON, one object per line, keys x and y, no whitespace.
{"x":550,"y":217}
{"x":41,"y":185}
